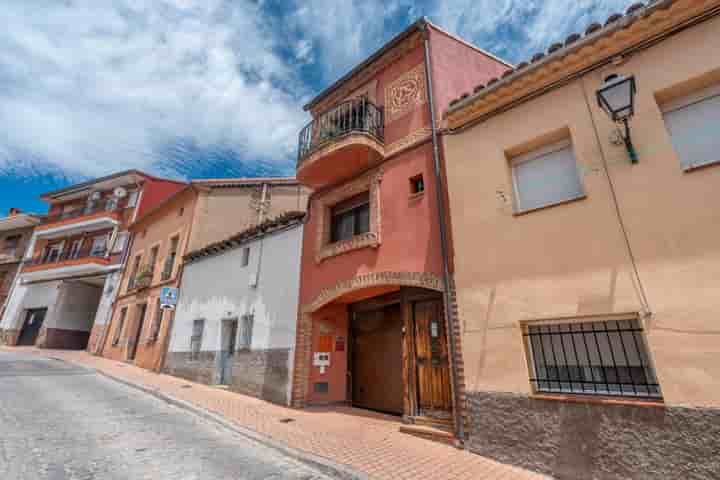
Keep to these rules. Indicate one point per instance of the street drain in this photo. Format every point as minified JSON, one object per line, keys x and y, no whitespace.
{"x":287,"y":420}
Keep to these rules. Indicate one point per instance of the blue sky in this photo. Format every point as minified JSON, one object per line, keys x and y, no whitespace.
{"x":208,"y":88}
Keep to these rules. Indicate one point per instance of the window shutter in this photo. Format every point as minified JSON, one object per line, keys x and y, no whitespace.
{"x":547,"y":177}
{"x":693,"y":130}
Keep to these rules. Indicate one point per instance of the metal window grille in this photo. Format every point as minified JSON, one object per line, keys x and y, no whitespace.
{"x":196,"y":339}
{"x":246,"y":330}
{"x":591,"y":358}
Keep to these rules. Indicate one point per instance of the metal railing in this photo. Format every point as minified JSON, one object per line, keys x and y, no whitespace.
{"x":9,"y":253}
{"x":357,"y":115}
{"x":90,"y":209}
{"x":69,"y":254}
{"x":592,"y":358}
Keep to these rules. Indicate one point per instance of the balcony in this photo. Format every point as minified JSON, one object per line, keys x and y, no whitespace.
{"x":10,"y":255}
{"x":53,"y":265}
{"x":341,"y":143}
{"x":98,"y":216}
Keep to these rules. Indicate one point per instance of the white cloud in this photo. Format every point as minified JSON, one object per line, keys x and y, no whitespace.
{"x":92,"y":87}
{"x":520,"y":28}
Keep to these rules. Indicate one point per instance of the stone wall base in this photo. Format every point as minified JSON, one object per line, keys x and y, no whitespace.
{"x":58,"y":338}
{"x":259,"y":373}
{"x":582,"y":440}
{"x":9,"y":337}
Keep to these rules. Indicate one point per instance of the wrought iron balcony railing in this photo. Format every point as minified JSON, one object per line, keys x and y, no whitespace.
{"x":49,"y":257}
{"x":90,"y":209}
{"x":353,"y":116}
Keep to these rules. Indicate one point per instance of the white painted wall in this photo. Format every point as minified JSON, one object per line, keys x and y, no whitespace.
{"x":75,"y":307}
{"x":24,"y":296}
{"x":218,"y":287}
{"x":110,"y":291}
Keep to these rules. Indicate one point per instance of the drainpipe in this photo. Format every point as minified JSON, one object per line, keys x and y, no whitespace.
{"x":447,"y":298}
{"x":263,"y":197}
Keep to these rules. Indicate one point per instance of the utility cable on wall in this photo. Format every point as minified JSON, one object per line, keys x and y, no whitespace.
{"x":616,"y":204}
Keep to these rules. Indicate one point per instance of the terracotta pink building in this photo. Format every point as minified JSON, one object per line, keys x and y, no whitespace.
{"x":373,"y":330}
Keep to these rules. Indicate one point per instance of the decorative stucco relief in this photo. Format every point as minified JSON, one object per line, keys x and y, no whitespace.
{"x":405,"y":93}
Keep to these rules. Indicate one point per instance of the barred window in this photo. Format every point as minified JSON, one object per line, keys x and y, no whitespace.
{"x":246,"y":329}
{"x":591,"y":358}
{"x":196,"y":338}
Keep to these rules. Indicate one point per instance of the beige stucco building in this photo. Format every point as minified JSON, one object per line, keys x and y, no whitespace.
{"x":588,"y":285}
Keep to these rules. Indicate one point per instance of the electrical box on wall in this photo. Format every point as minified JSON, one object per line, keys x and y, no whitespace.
{"x":321,"y":360}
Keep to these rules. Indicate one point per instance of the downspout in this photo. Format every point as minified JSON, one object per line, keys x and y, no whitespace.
{"x":447,"y":296}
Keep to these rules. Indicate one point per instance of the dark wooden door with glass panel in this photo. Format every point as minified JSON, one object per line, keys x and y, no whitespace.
{"x":138,"y":332}
{"x":432,"y":361}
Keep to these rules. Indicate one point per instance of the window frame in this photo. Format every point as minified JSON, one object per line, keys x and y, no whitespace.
{"x":352,"y":212}
{"x":196,"y":339}
{"x":245,"y":260}
{"x":538,"y":154}
{"x":642,"y":350}
{"x":120,"y":327}
{"x":681,"y":103}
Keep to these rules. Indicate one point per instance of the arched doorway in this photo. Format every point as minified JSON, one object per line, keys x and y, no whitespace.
{"x":379,"y":342}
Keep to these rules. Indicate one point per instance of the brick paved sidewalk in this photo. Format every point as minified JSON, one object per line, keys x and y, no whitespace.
{"x":364,"y":441}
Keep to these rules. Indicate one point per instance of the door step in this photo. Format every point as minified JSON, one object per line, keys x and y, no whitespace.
{"x":434,"y":433}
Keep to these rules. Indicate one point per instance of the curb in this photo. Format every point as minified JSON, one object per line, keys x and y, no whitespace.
{"x":324,"y":465}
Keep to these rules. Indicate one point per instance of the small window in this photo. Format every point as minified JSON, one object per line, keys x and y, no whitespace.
{"x":170,"y":260}
{"x":350,"y":218}
{"x":246,"y":331}
{"x":118,"y":330}
{"x":121,"y":242}
{"x":692,"y":123}
{"x":196,"y":338}
{"x":134,"y":272}
{"x":99,"y":246}
{"x":545,"y":177}
{"x":591,"y":358}
{"x":132,"y":199}
{"x":153,"y":258}
{"x":245,"y":257}
{"x":75,"y":249}
{"x":417,"y":185}
{"x":181,"y":211}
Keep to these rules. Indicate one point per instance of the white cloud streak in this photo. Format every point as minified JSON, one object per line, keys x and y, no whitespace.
{"x":98,"y":86}
{"x":92,"y":86}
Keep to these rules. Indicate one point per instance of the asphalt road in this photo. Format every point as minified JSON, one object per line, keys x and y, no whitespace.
{"x":59,"y":421}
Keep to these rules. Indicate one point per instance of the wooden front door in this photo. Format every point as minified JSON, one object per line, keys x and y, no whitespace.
{"x":138,"y":332}
{"x":377,"y":381}
{"x":31,"y":327}
{"x":229,"y":336}
{"x":432,"y":361}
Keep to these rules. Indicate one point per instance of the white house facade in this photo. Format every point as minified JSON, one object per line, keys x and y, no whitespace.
{"x":237,"y":310}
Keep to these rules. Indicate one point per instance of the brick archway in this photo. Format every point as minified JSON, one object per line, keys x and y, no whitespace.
{"x":303,"y":344}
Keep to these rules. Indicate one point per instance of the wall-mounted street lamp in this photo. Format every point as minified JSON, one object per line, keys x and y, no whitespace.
{"x":617,"y":98}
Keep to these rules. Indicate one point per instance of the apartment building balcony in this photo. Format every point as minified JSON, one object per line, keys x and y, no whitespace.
{"x":341,"y":143}
{"x":86,"y":261}
{"x":10,"y":255}
{"x":102,"y":215}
